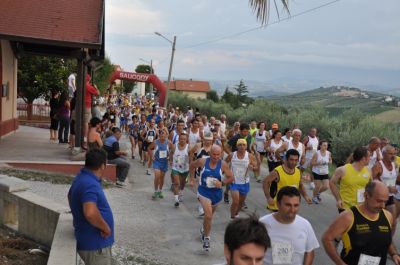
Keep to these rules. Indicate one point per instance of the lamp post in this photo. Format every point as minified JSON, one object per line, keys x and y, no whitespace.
{"x":151,"y":70}
{"x":170,"y":65}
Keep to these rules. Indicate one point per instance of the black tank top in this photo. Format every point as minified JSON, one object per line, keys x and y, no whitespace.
{"x":366,"y":237}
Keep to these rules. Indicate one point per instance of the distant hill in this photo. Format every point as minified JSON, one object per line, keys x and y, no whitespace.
{"x":340,"y":98}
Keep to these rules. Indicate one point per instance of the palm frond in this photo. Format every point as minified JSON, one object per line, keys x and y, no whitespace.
{"x":262,"y":7}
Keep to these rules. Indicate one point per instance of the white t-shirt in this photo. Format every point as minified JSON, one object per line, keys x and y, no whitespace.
{"x":297,"y":237}
{"x":71,"y":85}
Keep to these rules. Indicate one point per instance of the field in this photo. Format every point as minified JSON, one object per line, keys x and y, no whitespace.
{"x":392,"y":116}
{"x":337,"y":100}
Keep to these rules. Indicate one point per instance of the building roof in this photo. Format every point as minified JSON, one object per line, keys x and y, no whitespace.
{"x":74,"y":23}
{"x":190,"y":86}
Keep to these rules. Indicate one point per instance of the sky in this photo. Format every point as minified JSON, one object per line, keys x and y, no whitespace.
{"x":347,"y":41}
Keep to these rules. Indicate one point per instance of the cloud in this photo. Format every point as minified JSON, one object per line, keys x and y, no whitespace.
{"x":131,"y":17}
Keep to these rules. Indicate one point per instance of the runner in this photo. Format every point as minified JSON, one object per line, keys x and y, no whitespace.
{"x":240,"y":162}
{"x":365,"y":231}
{"x":142,"y":127}
{"x":287,"y":135}
{"x":285,"y":175}
{"x":385,"y":170}
{"x":203,"y":151}
{"x":351,"y":180}
{"x":294,"y":144}
{"x":311,"y":142}
{"x":231,"y":147}
{"x":133,"y":134}
{"x":194,"y":133}
{"x":179,"y":159}
{"x":253,"y":130}
{"x":160,"y":163}
{"x":373,"y":148}
{"x":223,"y":124}
{"x":260,"y":141}
{"x":245,"y":241}
{"x":292,"y":237}
{"x":272,"y":146}
{"x":274,"y":127}
{"x":320,"y":169}
{"x":235,"y":130}
{"x":149,"y":135}
{"x":209,"y":191}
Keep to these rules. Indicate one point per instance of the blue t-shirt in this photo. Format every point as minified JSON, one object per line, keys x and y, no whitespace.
{"x":86,"y":187}
{"x":157,"y":118}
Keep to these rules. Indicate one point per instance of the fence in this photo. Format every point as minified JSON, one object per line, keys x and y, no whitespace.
{"x":33,"y":111}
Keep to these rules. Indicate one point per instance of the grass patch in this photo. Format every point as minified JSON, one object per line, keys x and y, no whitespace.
{"x":43,"y":176}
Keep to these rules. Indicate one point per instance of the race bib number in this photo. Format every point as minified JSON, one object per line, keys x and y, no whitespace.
{"x":324,"y":171}
{"x":389,"y":182}
{"x":210,"y":181}
{"x":112,"y":117}
{"x":360,"y":195}
{"x":282,"y":253}
{"x":150,"y":138}
{"x":162,"y":154}
{"x":368,"y":260}
{"x":181,"y":160}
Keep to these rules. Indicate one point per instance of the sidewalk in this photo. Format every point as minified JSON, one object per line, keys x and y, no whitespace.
{"x":32,"y":144}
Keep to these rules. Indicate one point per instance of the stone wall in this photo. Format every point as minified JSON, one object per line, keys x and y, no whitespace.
{"x":39,"y":219}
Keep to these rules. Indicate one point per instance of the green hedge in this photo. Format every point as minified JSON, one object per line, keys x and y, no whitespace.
{"x":344,"y":131}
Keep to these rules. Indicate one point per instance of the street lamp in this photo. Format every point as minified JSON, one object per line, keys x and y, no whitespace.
{"x":170,"y":65}
{"x":151,"y":71}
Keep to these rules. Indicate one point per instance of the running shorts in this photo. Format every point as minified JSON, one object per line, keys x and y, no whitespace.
{"x":213,"y":194}
{"x":180,"y":174}
{"x":243,"y":189}
{"x":162,"y":166}
{"x":320,"y":177}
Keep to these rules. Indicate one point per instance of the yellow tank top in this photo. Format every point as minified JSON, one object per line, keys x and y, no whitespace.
{"x":352,"y":185}
{"x":285,"y":179}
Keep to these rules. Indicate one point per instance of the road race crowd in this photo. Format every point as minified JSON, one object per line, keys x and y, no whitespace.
{"x":215,"y":160}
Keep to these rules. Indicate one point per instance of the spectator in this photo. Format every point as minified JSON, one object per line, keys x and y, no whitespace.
{"x":54,"y":101}
{"x":117,"y":157}
{"x":90,"y":92}
{"x":92,"y":216}
{"x":63,"y":114}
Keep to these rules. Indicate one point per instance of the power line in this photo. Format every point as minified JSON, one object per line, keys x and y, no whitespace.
{"x":261,"y":27}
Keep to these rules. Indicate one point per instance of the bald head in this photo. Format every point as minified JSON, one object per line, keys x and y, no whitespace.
{"x":376,"y":187}
{"x":216,"y":148}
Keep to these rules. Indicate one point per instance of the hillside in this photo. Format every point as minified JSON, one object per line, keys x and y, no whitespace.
{"x":338,"y":99}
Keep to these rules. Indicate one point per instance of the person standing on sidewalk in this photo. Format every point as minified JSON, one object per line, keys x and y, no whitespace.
{"x":92,"y":216}
{"x":116,"y":156}
{"x":63,"y":114}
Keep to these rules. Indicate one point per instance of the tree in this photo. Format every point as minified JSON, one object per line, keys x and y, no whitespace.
{"x":38,"y":75}
{"x":241,"y":91}
{"x":212,"y":95}
{"x":230,"y":98}
{"x":262,"y":8}
{"x":103,"y":74}
{"x":145,"y":69}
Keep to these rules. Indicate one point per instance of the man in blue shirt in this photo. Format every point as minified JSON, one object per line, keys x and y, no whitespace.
{"x":153,"y":116}
{"x":92,"y":216}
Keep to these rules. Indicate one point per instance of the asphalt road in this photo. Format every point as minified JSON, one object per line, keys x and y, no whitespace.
{"x":172,"y":235}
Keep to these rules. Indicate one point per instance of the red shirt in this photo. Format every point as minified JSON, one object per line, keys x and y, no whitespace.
{"x":90,"y":91}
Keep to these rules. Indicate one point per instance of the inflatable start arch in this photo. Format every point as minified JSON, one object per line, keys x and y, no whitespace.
{"x":139,"y":77}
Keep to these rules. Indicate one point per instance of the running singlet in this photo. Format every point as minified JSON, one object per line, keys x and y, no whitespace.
{"x":388,"y":177}
{"x":274,"y":146}
{"x":151,"y":135}
{"x":239,"y":168}
{"x":324,"y":168}
{"x":194,"y":138}
{"x":132,"y":132}
{"x":260,"y":141}
{"x":181,"y":159}
{"x":313,"y":142}
{"x":299,"y":149}
{"x":208,"y":175}
{"x":201,"y":154}
{"x":142,"y":126}
{"x":284,"y":179}
{"x":367,"y":241}
{"x":352,"y":185}
{"x":161,"y":151}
